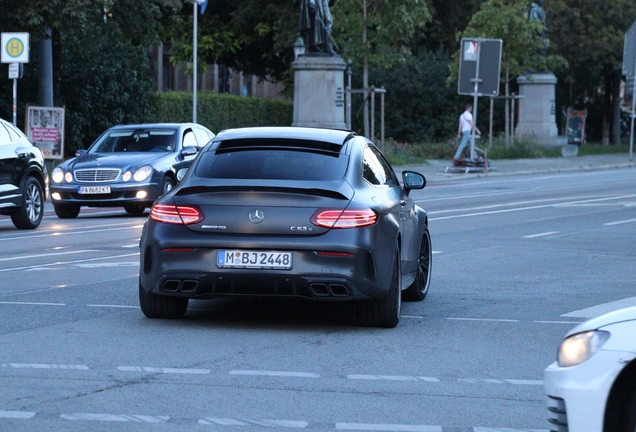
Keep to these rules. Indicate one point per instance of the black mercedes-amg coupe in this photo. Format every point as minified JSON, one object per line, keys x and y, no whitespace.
{"x":288,"y":212}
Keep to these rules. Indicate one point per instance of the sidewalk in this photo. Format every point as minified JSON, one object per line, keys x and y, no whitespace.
{"x":433,"y":170}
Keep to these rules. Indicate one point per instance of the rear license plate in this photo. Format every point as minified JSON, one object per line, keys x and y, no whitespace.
{"x":254,"y":259}
{"x":93,"y":189}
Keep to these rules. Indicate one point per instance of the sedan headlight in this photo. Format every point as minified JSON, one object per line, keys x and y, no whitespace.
{"x":143,"y":173}
{"x":57,"y":175}
{"x":580,"y":347}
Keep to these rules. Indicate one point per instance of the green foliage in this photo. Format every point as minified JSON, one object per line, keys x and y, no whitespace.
{"x":98,"y":94}
{"x":522,"y":41}
{"x":221,"y":111}
{"x":377,"y":30}
{"x":419,"y":107}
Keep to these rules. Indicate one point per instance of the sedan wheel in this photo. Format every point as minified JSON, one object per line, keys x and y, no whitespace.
{"x":384,"y":313}
{"x":419,"y":288}
{"x":29,"y":215}
{"x":134,"y":209}
{"x":158,"y":306}
{"x":66,"y":211}
{"x":167,"y":184}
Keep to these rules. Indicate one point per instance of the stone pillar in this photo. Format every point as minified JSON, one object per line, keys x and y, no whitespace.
{"x":539,"y":107}
{"x":319,"y":91}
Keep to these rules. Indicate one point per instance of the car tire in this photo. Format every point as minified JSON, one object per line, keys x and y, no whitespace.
{"x":384,"y":313}
{"x":158,"y":306}
{"x":30,"y":213}
{"x":166,"y":184}
{"x":66,"y":211}
{"x":629,"y":418}
{"x":419,"y":288}
{"x":135,"y":209}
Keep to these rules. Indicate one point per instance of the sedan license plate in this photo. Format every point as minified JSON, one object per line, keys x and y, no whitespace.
{"x":254,"y":259}
{"x":93,"y":189}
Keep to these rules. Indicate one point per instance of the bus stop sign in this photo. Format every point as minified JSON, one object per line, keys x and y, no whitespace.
{"x":480,"y":62}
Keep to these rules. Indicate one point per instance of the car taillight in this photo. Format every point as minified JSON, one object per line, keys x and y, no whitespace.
{"x":344,"y":218}
{"x":182,"y":215}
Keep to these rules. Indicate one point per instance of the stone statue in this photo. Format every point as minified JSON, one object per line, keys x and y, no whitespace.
{"x":536,"y":13}
{"x":315,"y":26}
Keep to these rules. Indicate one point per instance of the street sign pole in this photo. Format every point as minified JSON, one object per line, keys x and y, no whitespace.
{"x":631,"y":132}
{"x":194,"y":72}
{"x":15,"y":102}
{"x":476,"y":80}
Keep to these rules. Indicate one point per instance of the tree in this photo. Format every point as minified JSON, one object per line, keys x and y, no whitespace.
{"x":376,"y":32}
{"x":590,"y":35}
{"x":522,"y":42}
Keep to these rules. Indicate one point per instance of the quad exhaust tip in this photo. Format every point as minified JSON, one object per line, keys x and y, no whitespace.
{"x":322,"y":289}
{"x":180,"y":285}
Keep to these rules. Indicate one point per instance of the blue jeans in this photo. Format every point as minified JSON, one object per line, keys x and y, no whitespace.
{"x":465,"y":140}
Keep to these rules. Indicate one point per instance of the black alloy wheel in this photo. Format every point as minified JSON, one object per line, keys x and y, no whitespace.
{"x":30,"y":213}
{"x":419,"y":288}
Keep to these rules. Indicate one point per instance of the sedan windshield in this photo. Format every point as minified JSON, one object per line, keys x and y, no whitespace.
{"x":136,"y":140}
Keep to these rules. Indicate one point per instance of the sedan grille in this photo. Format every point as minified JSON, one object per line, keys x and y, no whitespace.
{"x":97,"y":175}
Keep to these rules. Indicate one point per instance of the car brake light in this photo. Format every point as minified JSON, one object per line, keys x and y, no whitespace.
{"x":344,"y":218}
{"x":181,"y":215}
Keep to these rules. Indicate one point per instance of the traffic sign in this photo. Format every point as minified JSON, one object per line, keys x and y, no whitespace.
{"x":480,"y":62}
{"x":629,"y":52}
{"x":15,"y":47}
{"x":14,"y":70}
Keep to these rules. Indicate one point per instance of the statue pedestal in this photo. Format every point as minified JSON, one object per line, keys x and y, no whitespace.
{"x":538,"y":109}
{"x":319,"y":91}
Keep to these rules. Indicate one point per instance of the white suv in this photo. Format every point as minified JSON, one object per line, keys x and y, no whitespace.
{"x":23,"y":178}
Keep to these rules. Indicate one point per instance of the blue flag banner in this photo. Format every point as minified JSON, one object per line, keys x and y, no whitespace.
{"x":203,"y":5}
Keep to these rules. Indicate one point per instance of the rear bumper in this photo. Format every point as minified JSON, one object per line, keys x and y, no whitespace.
{"x":194,"y":273}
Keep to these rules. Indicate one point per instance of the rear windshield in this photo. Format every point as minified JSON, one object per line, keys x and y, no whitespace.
{"x":136,"y":140}
{"x":272,"y":164}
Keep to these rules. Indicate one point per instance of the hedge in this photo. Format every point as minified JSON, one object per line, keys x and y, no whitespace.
{"x":221,"y":111}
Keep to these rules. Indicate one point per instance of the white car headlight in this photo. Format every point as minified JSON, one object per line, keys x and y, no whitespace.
{"x":127,"y":175}
{"x":580,"y":347}
{"x":57,"y":175}
{"x":143,"y":173}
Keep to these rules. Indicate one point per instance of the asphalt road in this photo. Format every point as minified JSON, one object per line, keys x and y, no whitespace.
{"x":518,"y":260}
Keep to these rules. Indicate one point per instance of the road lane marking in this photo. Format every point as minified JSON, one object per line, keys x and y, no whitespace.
{"x":510,"y":210}
{"x":245,"y":422}
{"x":17,"y":414}
{"x":44,"y":366}
{"x":388,"y":427}
{"x":115,"y":264}
{"x":392,"y":378}
{"x":58,"y":233}
{"x":115,"y":417}
{"x":68,"y":262}
{"x":23,"y":257}
{"x":163,"y":370}
{"x":32,"y":303}
{"x":413,"y":316}
{"x":134,"y":245}
{"x":113,"y":306}
{"x":525,"y":382}
{"x":484,"y":319}
{"x":483,"y":429}
{"x":601,"y":309}
{"x":542,"y":234}
{"x":275,"y":373}
{"x":559,"y":322}
{"x":619,"y":222}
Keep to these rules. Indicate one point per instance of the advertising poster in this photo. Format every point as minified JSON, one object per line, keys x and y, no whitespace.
{"x":45,"y":129}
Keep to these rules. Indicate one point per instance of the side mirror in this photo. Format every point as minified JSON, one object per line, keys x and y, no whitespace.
{"x":189,"y":151}
{"x":413,"y":180}
{"x":181,"y":174}
{"x":81,"y":152}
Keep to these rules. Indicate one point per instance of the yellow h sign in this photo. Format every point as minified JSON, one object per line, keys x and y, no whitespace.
{"x":15,"y":47}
